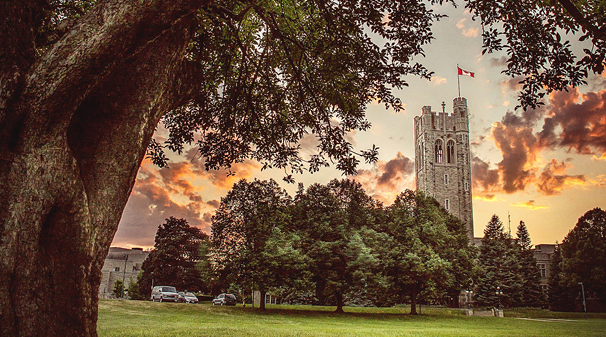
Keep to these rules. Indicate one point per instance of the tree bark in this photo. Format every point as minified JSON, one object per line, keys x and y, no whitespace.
{"x":262,"y":302}
{"x":339,"y":297}
{"x":75,"y":124}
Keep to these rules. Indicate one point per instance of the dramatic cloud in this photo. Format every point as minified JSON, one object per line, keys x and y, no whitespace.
{"x":552,"y":180}
{"x":147,"y":208}
{"x":576,"y":122}
{"x":570,"y":120}
{"x":389,"y":179}
{"x":519,"y":147}
{"x":484,"y":178}
{"x":174,"y":191}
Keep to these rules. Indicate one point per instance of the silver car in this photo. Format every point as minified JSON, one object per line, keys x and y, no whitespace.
{"x":164,"y":294}
{"x":187,"y":297}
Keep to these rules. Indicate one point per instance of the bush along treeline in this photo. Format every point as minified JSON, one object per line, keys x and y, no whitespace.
{"x":335,"y":245}
{"x":579,"y":264}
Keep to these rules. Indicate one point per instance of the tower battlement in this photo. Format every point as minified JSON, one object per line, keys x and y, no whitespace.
{"x":443,"y":158}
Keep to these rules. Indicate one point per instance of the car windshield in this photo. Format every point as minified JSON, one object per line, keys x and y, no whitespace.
{"x":169,"y":289}
{"x":190,"y":295}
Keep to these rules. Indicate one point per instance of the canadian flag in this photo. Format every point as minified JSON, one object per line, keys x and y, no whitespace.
{"x":465,"y":72}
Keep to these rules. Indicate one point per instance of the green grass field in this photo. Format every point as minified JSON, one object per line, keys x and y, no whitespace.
{"x":139,"y":318}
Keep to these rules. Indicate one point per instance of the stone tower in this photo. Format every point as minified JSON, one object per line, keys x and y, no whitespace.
{"x":443,"y":159}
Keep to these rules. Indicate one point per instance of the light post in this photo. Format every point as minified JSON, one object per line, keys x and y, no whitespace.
{"x":499,"y":292}
{"x":124,"y":275}
{"x":583,"y":292}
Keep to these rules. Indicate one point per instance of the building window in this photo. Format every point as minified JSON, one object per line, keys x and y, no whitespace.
{"x":446,"y":179}
{"x":447,"y":204}
{"x":116,"y":268}
{"x":439,"y":151}
{"x":466,"y":186}
{"x":542,"y":269}
{"x":450,"y":152}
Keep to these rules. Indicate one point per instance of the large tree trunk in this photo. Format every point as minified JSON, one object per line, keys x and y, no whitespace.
{"x":413,"y":302}
{"x":74,"y":126}
{"x":262,"y":302}
{"x":339,"y":296}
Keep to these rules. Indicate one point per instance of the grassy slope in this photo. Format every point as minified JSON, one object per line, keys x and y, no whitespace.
{"x":137,"y":318}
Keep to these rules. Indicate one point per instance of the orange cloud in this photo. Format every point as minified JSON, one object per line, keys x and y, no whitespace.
{"x":576,"y":121}
{"x":485,"y":197}
{"x":530,"y":205}
{"x":552,"y":180}
{"x":387,"y":179}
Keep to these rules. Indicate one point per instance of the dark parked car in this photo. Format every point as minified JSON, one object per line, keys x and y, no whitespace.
{"x":225,"y":299}
{"x":187,"y":298}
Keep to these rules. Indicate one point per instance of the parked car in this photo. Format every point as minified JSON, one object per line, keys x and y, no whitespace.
{"x":225,"y":299}
{"x":187,"y":297}
{"x":164,"y":294}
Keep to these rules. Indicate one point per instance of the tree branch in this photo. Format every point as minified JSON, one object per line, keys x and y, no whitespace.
{"x":596,"y":32}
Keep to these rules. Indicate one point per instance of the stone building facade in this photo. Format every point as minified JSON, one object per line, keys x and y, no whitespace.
{"x":120,"y":264}
{"x":543,"y":253}
{"x":443,"y":159}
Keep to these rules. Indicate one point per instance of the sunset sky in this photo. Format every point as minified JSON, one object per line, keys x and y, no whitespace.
{"x":545,"y":167}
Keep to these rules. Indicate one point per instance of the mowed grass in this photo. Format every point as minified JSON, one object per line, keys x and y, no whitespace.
{"x":140,"y":318}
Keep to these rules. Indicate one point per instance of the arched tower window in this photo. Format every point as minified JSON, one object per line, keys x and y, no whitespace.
{"x":439,"y":151}
{"x":450,"y":151}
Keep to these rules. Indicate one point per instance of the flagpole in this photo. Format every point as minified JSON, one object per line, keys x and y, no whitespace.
{"x":458,"y":80}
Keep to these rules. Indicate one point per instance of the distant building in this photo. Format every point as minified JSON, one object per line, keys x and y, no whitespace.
{"x":443,"y":159}
{"x":120,"y":264}
{"x":543,"y":253}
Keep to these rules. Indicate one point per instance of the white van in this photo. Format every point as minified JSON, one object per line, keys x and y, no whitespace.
{"x":164,"y":294}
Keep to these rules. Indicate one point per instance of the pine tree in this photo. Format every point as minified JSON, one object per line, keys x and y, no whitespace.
{"x":499,"y":268}
{"x":532,"y":294}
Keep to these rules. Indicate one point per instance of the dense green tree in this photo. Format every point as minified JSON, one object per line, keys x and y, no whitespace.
{"x":499,"y":267}
{"x":584,"y":257}
{"x":174,"y":259}
{"x":118,"y":288}
{"x":558,"y":295}
{"x":429,"y":252}
{"x":245,"y":229}
{"x":84,"y":84}
{"x":333,"y":221}
{"x":532,"y":293}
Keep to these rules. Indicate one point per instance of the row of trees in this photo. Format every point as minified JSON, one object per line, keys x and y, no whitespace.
{"x":334,"y":244}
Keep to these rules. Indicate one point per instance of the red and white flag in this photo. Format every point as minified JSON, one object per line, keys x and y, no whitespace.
{"x":465,"y":72}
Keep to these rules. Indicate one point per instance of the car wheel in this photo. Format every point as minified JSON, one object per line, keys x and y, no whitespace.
{"x":160,"y":299}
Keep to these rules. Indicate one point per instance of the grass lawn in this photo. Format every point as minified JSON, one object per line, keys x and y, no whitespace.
{"x":139,"y":318}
